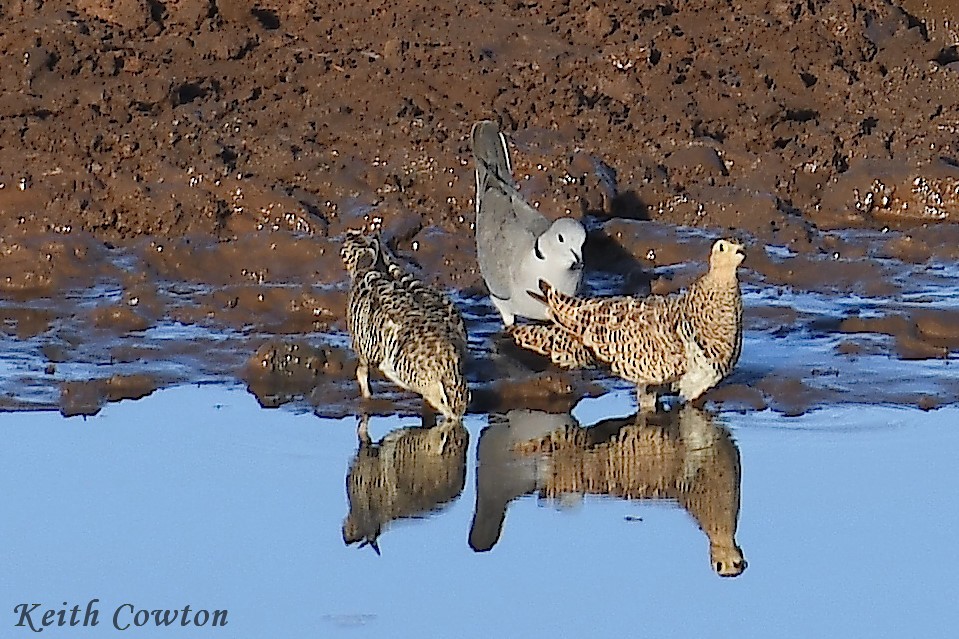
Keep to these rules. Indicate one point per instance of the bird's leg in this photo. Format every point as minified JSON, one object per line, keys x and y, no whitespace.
{"x":647,"y":401}
{"x":363,"y":377}
{"x":363,"y":430}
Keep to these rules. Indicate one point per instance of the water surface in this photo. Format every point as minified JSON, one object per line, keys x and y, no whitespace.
{"x":196,"y":495}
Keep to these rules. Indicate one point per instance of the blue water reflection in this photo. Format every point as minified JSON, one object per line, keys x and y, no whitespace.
{"x":682,"y":456}
{"x":197,"y":496}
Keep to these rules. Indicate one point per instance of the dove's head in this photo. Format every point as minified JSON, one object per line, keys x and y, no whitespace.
{"x":726,"y":255}
{"x":562,"y":243}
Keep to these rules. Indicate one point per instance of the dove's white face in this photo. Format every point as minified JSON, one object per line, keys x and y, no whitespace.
{"x":562,"y":244}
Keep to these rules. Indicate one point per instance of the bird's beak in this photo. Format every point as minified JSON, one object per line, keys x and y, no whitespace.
{"x":578,"y":261}
{"x":741,"y":251}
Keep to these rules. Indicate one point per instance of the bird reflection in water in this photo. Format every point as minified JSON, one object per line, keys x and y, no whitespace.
{"x":680,"y":455}
{"x":409,"y":473}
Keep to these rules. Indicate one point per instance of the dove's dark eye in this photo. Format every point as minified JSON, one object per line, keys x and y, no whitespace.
{"x":722,"y":247}
{"x":560,"y":237}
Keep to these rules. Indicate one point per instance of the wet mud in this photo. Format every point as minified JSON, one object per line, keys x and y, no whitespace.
{"x":176,"y":176}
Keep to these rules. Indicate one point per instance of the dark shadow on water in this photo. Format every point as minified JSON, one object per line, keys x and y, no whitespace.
{"x":603,"y":254}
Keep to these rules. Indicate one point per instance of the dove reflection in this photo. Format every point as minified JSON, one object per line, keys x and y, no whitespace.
{"x":680,"y":455}
{"x":408,"y":473}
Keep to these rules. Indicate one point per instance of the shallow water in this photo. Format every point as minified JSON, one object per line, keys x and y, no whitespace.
{"x":822,"y":327}
{"x":196,"y":495}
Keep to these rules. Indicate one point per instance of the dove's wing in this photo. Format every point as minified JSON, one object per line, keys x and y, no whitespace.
{"x":506,"y":226}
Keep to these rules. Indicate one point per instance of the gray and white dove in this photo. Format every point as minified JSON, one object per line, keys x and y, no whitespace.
{"x":516,"y":245}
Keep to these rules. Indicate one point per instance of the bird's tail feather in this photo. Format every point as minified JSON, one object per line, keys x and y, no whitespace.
{"x":562,"y":347}
{"x":538,"y":297}
{"x":491,"y":157}
{"x":490,"y":513}
{"x":490,"y":150}
{"x":562,"y":307}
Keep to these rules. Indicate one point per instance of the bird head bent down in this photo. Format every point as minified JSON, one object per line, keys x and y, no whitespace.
{"x":562,"y":243}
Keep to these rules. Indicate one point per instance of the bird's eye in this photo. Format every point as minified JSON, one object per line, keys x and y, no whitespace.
{"x":560,"y":237}
{"x":722,"y":247}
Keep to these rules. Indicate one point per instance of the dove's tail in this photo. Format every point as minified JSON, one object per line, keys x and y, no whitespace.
{"x":491,"y":157}
{"x":488,"y":518}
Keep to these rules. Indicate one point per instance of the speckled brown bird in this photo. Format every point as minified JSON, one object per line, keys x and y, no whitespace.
{"x":689,"y":341}
{"x":408,"y":330}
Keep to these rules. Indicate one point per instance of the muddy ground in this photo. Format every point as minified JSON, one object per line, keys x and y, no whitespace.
{"x":175,"y":177}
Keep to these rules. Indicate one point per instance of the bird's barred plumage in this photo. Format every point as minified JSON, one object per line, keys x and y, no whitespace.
{"x":411,"y":332}
{"x":689,"y":341}
{"x":410,"y":472}
{"x":684,"y":456}
{"x":564,"y":348}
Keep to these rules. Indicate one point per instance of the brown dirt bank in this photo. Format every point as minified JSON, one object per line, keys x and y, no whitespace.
{"x":124,"y":118}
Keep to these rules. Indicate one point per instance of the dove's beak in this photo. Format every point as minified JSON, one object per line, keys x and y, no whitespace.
{"x":577,"y":262}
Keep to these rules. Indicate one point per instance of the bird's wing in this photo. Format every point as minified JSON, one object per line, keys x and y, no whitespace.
{"x":524,"y":215}
{"x":506,"y":226}
{"x":528,"y":217}
{"x":501,"y":242}
{"x":638,"y":337}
